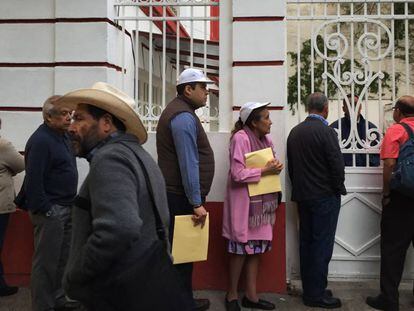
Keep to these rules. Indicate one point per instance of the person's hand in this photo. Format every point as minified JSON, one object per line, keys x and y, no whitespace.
{"x":272,"y":167}
{"x":279,"y":166}
{"x":200,"y":215}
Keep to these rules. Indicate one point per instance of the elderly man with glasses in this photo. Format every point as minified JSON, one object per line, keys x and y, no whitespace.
{"x":48,"y":192}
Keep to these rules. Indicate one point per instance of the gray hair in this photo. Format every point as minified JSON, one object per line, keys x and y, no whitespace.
{"x":49,"y":108}
{"x":316,"y":102}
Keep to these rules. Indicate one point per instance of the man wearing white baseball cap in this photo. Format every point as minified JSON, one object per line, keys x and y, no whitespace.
{"x":186,"y":159}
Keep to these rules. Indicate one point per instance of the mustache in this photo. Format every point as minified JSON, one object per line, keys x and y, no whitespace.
{"x":74,"y":137}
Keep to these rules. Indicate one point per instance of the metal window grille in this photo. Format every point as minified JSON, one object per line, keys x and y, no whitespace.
{"x":347,"y":49}
{"x":165,"y":37}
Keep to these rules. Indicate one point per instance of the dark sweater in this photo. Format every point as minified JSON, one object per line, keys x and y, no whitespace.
{"x":315,"y":162}
{"x":51,"y":173}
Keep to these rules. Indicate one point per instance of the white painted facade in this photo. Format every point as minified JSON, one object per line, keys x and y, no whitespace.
{"x":45,"y":52}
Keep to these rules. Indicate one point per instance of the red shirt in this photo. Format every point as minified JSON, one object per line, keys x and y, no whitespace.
{"x":395,"y":136}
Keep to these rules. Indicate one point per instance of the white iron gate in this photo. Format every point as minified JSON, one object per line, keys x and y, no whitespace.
{"x":165,"y":37}
{"x":360,"y":54}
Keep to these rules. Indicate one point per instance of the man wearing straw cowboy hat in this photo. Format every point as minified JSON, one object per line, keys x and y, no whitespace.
{"x":120,"y":217}
{"x":186,"y":158}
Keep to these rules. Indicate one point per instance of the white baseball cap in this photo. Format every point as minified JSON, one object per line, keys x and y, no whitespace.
{"x":247,"y":109}
{"x":190,"y":75}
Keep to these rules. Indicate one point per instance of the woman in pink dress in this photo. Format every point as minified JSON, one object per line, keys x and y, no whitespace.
{"x":248,"y":221}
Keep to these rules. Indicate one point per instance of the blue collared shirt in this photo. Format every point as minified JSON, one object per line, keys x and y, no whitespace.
{"x":317,"y":116}
{"x":184,"y":133}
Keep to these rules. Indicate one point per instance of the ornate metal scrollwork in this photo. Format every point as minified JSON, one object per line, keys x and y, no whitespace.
{"x":370,"y":48}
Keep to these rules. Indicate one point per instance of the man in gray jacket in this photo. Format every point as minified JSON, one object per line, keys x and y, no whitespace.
{"x":116,"y":216}
{"x":11,"y":163}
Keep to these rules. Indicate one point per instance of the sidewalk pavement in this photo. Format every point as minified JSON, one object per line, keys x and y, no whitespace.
{"x":352,"y":294}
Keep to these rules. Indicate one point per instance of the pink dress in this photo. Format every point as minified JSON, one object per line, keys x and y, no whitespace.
{"x":236,"y":204}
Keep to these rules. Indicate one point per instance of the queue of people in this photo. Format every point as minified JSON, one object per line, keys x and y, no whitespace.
{"x":108,"y":245}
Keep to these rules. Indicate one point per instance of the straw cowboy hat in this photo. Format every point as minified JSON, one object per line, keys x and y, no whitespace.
{"x":110,"y":99}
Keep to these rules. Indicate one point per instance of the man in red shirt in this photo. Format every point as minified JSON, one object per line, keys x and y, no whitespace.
{"x":397,"y":222}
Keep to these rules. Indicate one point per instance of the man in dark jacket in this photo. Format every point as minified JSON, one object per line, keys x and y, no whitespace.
{"x":343,"y":126}
{"x":48,"y":192}
{"x":316,"y":169}
{"x":115,"y":222}
{"x":186,"y":158}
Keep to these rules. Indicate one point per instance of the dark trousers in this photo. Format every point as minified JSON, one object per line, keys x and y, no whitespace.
{"x":318,"y":221}
{"x":397,"y":234}
{"x":4,"y":220}
{"x":52,"y":235}
{"x":179,"y":205}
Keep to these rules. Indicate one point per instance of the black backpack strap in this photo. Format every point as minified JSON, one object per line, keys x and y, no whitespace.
{"x":408,"y":129}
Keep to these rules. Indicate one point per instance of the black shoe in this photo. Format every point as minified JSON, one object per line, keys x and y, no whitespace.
{"x":380,"y":303}
{"x":325,"y":302}
{"x":201,"y":304}
{"x":8,"y":290}
{"x":232,"y":305}
{"x":260,"y":304}
{"x":327,"y":293}
{"x":376,"y":302}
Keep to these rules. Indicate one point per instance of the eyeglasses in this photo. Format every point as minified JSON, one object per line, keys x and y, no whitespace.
{"x":65,"y":113}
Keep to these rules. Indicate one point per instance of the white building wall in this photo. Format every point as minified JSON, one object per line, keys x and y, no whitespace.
{"x":52,"y":47}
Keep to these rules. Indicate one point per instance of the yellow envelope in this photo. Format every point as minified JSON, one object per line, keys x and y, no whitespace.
{"x":268,"y":183}
{"x":189,"y":243}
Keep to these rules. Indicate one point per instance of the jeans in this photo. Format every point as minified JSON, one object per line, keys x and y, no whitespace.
{"x":52,"y":234}
{"x":318,"y":221}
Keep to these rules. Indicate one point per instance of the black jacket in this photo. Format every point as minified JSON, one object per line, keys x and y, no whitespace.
{"x":51,"y":172}
{"x":315,"y":162}
{"x":360,"y":158}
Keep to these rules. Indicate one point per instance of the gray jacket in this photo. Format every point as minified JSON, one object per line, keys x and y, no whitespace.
{"x":11,"y":163}
{"x":112,"y":212}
